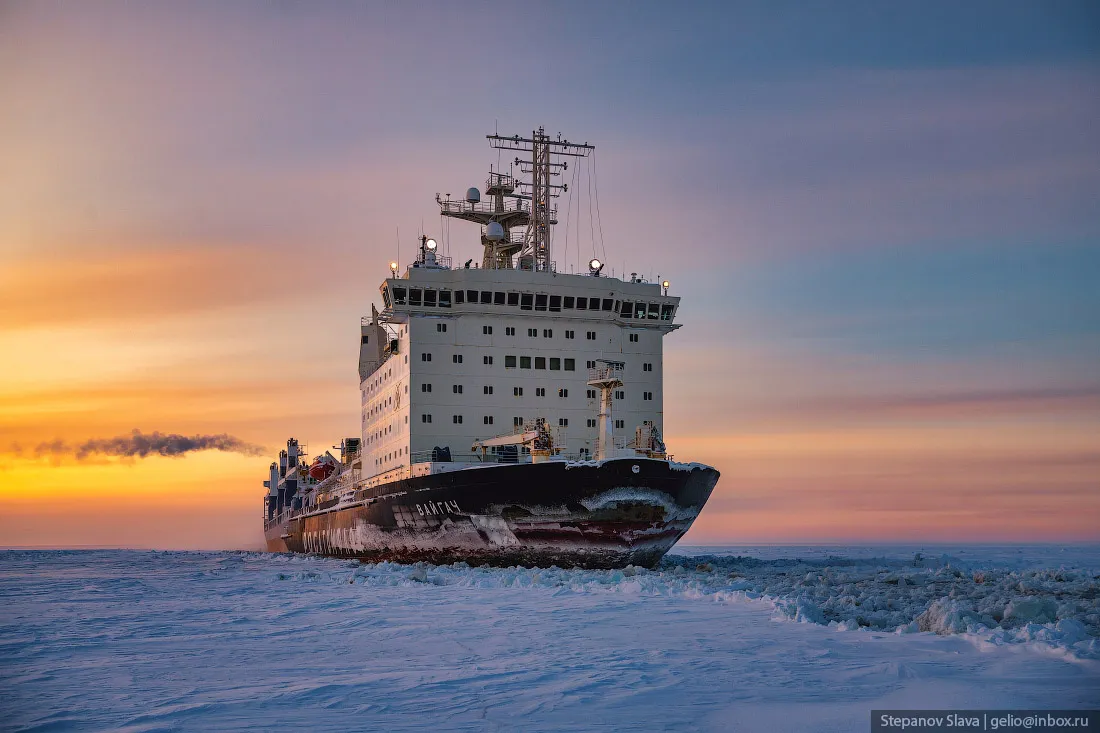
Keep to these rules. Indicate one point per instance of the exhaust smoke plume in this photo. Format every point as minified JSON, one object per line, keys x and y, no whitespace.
{"x":142,"y":445}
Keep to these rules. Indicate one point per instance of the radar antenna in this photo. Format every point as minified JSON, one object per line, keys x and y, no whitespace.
{"x":516,"y":204}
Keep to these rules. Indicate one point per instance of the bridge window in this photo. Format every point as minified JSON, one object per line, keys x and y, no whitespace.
{"x":429,"y":298}
{"x":460,"y":297}
{"x":555,"y":303}
{"x":666,"y":311}
{"x":399,"y":296}
{"x":486,"y":297}
{"x":444,"y":298}
{"x":513,"y":298}
{"x":567,"y":301}
{"x":415,"y":295}
{"x":498,"y":298}
{"x":540,"y":301}
{"x":582,"y":304}
{"x":608,"y":304}
{"x":526,"y":301}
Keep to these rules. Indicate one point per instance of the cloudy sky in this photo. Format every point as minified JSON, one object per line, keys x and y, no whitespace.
{"x":884,"y":219}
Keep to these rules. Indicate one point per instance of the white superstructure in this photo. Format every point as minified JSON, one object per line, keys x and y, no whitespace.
{"x":464,"y":354}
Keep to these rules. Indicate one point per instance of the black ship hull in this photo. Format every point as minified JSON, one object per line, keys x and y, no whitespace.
{"x":614,"y":513}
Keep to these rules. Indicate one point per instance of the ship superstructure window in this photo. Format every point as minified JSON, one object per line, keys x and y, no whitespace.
{"x":620,"y":394}
{"x":513,"y":298}
{"x":509,"y":362}
{"x":555,"y":303}
{"x":548,"y":333}
{"x":517,"y":422}
{"x":568,"y":301}
{"x":525,"y":362}
{"x":590,"y":364}
{"x":633,"y":338}
{"x":590,"y":394}
{"x":487,"y":330}
{"x":509,"y":330}
{"x":620,"y":424}
{"x":487,"y":389}
{"x":590,"y":335}
{"x":590,"y":423}
{"x":425,"y":387}
{"x":425,"y":418}
{"x":487,"y":420}
{"x":526,"y":301}
{"x":647,"y":395}
{"x":517,"y":391}
{"x":533,"y":332}
{"x":563,"y":422}
{"x":456,"y":358}
{"x":540,"y":301}
{"x":487,"y":360}
{"x":570,"y":365}
{"x":540,"y":391}
{"x":426,"y":356}
{"x":570,"y":334}
{"x":555,"y":364}
{"x":456,"y":388}
{"x":540,"y":362}
{"x":563,"y":392}
{"x":456,"y":419}
{"x":647,"y":367}
{"x":441,"y":327}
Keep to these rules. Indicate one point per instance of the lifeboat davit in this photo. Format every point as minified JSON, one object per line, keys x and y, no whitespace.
{"x":321,"y":469}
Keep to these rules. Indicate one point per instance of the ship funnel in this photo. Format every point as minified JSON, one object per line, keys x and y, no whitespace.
{"x":473,"y":196}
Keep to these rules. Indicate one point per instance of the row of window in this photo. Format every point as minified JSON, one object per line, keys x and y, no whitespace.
{"x":540,"y":362}
{"x":563,"y":422}
{"x":430,"y":298}
{"x":525,"y":362}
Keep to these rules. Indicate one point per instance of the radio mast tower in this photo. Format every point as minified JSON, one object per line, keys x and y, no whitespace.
{"x":530,"y":203}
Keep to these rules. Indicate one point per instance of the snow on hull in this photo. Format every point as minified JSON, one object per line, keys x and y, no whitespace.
{"x":600,"y":515}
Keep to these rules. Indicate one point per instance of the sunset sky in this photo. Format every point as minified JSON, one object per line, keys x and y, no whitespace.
{"x":884,"y":220}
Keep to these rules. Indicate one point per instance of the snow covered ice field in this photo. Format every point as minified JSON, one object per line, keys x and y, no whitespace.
{"x":747,"y":638}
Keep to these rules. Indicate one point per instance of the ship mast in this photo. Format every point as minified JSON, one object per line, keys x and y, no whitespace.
{"x":514,"y":205}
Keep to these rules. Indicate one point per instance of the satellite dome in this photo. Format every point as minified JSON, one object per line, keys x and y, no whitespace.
{"x":494,"y":232}
{"x":473,"y":195}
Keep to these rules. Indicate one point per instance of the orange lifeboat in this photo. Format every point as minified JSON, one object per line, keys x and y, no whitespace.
{"x":321,"y":469}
